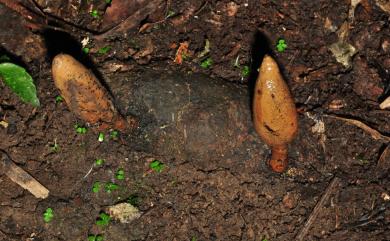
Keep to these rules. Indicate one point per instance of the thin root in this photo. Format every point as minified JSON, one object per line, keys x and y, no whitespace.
{"x":329,"y":190}
{"x":374,"y":133}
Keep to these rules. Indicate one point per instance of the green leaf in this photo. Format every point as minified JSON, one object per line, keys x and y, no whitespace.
{"x":20,"y":82}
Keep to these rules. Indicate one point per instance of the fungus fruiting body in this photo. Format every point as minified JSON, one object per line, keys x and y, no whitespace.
{"x":84,"y":94}
{"x":274,"y":112}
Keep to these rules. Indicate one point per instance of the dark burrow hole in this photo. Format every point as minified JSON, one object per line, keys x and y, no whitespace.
{"x":261,"y":46}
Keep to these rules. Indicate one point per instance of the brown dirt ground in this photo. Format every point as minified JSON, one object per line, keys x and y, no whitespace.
{"x":223,"y":199}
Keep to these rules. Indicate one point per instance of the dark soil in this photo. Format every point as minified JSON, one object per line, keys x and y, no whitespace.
{"x":216,"y":184}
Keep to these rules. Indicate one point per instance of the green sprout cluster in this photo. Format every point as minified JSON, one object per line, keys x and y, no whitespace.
{"x":86,"y":50}
{"x":156,"y":166}
{"x":206,"y":63}
{"x":120,"y":174}
{"x":96,"y":187}
{"x":245,"y":71}
{"x":101,"y":137}
{"x":80,"y":129}
{"x":114,"y":134}
{"x":48,"y":215}
{"x":95,"y":237}
{"x":99,"y":162}
{"x":104,"y":50}
{"x":103,"y":219}
{"x":170,"y":14}
{"x":95,"y":13}
{"x":55,"y":147}
{"x":281,"y":45}
{"x":59,"y":99}
{"x":110,"y":186}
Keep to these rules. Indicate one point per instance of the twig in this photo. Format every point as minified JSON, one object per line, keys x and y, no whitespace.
{"x":382,"y":163}
{"x":89,"y":172}
{"x":329,"y":190}
{"x":374,"y":133}
{"x":21,"y":177}
{"x":130,"y":22}
{"x":36,"y":20}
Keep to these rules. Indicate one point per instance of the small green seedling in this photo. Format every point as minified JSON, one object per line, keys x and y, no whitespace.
{"x":95,"y":13}
{"x":134,"y":200}
{"x":362,"y":160}
{"x":109,"y":187}
{"x":95,"y":237}
{"x":156,"y":166}
{"x":104,"y":50}
{"x":80,"y":129}
{"x":114,"y":134}
{"x":101,"y":137}
{"x":99,"y":162}
{"x":103,"y":220}
{"x":85,"y":50}
{"x":120,"y":174}
{"x":59,"y":99}
{"x":96,"y":187}
{"x":55,"y":147}
{"x":48,"y":215}
{"x":281,"y":46}
{"x":245,"y":71}
{"x":206,"y":63}
{"x":194,"y":238}
{"x":170,"y":14}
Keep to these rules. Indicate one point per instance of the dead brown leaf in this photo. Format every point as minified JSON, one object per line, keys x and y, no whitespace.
{"x":181,"y":52}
